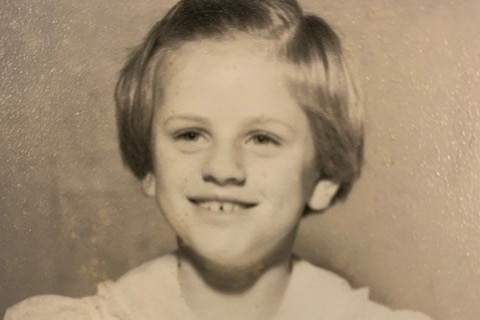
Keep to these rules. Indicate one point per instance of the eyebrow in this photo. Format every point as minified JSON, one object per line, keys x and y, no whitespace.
{"x":266,"y":121}
{"x":249,"y":122}
{"x":186,"y":117}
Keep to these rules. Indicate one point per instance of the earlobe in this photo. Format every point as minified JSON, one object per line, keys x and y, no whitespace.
{"x":322,"y":195}
{"x":149,"y":185}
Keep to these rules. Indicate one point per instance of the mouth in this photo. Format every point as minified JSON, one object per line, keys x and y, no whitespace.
{"x":222,"y":205}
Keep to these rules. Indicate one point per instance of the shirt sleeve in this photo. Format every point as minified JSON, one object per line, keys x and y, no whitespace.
{"x":365,"y":309}
{"x":51,"y":307}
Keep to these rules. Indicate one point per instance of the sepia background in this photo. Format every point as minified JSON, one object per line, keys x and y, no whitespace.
{"x":71,"y":215}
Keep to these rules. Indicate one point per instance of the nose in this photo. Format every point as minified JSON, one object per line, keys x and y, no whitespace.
{"x":224,"y":166}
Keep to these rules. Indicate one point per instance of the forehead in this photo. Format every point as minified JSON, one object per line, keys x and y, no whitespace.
{"x":224,"y":58}
{"x":241,"y":71}
{"x":229,"y":85}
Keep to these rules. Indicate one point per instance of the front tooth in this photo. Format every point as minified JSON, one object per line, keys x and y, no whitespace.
{"x":227,"y":206}
{"x":220,"y":206}
{"x":215,"y":206}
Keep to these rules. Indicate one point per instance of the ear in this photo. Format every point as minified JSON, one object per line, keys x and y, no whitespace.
{"x":322,"y":194}
{"x":149,"y":185}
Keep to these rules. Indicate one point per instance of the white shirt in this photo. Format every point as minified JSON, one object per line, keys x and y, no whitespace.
{"x":152,"y":292}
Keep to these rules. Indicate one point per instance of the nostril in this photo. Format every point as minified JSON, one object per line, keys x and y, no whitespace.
{"x":224,"y":179}
{"x":224,"y":166}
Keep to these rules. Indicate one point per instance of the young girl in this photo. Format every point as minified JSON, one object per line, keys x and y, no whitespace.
{"x":239,"y":118}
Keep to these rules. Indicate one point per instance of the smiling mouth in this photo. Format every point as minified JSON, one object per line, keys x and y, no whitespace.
{"x":222,"y":206}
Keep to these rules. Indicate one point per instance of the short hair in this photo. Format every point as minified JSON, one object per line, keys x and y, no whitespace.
{"x":316,"y":76}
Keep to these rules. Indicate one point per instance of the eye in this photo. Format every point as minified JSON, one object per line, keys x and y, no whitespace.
{"x":190,"y":139}
{"x":190,"y":135}
{"x":262,"y":138}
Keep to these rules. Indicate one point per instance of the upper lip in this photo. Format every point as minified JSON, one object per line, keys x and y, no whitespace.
{"x":234,"y":200}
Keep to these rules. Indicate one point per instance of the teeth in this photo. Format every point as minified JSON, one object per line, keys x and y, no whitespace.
{"x":215,"y":206}
{"x":220,"y":206}
{"x":227,"y":207}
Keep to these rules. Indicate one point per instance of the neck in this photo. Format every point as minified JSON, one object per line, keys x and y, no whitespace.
{"x":251,"y":293}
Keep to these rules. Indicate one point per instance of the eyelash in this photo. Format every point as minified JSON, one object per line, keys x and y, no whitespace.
{"x":258,"y":138}
{"x":263,"y":138}
{"x":188,"y":135}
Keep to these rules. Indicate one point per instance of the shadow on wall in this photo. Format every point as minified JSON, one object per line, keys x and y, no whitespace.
{"x":73,"y":216}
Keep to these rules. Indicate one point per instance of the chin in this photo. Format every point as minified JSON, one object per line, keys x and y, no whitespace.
{"x":228,"y":273}
{"x":235,"y":258}
{"x":225,"y":258}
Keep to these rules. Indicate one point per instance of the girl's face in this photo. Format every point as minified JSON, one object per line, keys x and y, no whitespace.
{"x":233,"y":153}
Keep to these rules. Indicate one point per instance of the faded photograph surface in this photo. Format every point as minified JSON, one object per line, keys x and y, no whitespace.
{"x":225,"y":159}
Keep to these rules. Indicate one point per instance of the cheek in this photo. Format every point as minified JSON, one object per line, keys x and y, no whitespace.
{"x":286,"y":177}
{"x":174,"y":178}
{"x":173,"y":169}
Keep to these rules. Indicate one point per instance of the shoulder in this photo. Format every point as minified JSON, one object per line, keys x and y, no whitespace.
{"x":50,"y":307}
{"x":113,"y":300}
{"x":149,"y":278}
{"x":327,"y":290}
{"x":363,"y":308}
{"x":149,"y":291}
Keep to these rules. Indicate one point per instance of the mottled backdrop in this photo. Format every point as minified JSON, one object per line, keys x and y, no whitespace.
{"x":71,"y":215}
